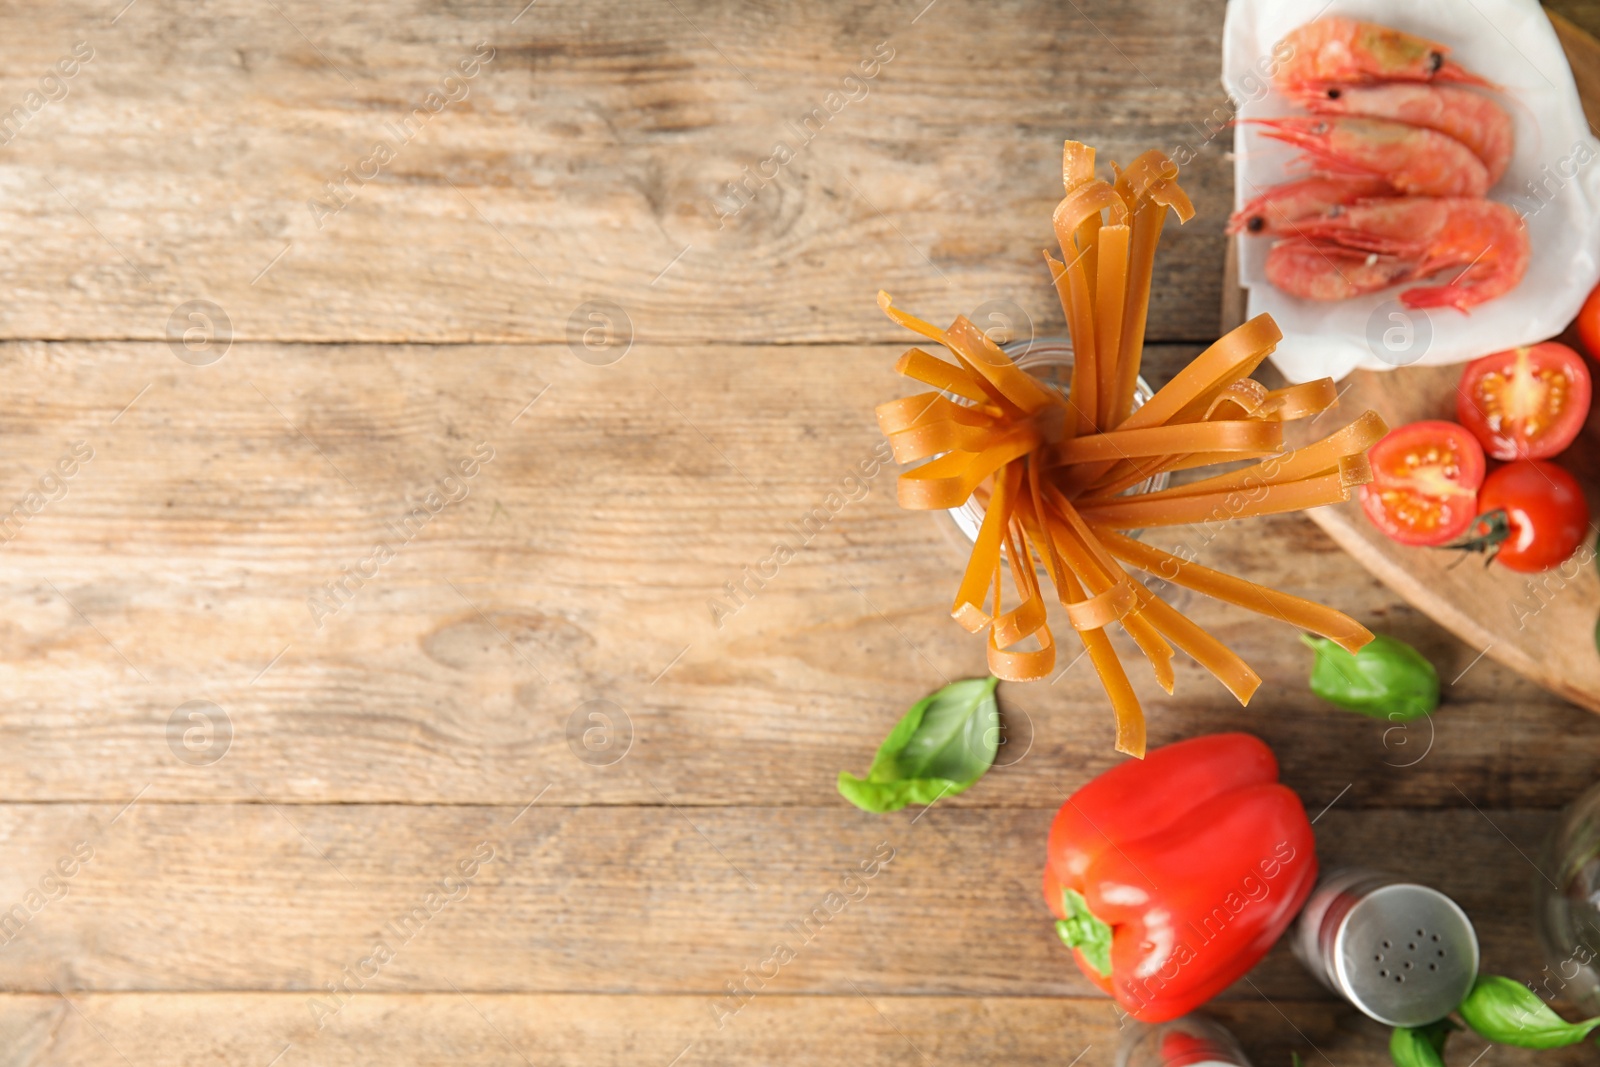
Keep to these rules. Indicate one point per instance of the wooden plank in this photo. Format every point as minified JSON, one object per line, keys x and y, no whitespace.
{"x":623,"y":900}
{"x":585,"y":159}
{"x":514,"y":1030}
{"x":1583,"y":51}
{"x":177,"y":563}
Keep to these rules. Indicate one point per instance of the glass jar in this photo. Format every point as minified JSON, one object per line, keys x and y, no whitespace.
{"x":1192,"y":1041}
{"x":1568,"y":908}
{"x":1402,"y":953}
{"x":1049,"y":359}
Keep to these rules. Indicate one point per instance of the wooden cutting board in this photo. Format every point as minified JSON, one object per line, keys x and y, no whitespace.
{"x":1542,"y":626}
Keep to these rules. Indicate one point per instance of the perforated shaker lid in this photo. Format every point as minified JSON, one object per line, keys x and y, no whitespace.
{"x":1406,"y":955}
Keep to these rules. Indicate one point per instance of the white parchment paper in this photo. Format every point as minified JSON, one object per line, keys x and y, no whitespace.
{"x":1554,"y":180}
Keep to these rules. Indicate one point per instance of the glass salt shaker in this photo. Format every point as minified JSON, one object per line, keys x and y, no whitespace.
{"x":1192,"y":1041}
{"x":1402,"y":953}
{"x":1568,"y":906}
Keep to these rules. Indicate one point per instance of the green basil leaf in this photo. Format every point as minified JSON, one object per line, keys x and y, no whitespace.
{"x":959,"y":734}
{"x":1082,"y":931}
{"x":880,"y":797}
{"x":1387,"y":679}
{"x":1509,"y":1013}
{"x":1420,"y":1046}
{"x":939,"y":748}
{"x":1408,"y":1048}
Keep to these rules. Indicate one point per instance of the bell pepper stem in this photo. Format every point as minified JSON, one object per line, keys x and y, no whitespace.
{"x":1082,"y":930}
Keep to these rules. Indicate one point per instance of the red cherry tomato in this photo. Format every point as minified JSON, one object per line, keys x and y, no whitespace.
{"x":1525,"y":403}
{"x":1425,"y":478}
{"x":1545,"y":510}
{"x":1589,"y":325}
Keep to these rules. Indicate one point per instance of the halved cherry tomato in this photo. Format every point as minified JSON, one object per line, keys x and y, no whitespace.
{"x":1589,"y":325}
{"x":1545,"y":511}
{"x":1525,"y":403}
{"x":1425,"y":478}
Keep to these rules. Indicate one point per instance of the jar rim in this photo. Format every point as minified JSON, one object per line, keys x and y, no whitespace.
{"x":1041,"y":353}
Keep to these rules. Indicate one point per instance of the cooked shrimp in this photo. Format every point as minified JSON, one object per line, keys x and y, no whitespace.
{"x":1412,"y":159}
{"x":1422,"y":234}
{"x":1276,"y":210}
{"x":1321,"y":270}
{"x":1471,"y":118}
{"x":1340,"y":49}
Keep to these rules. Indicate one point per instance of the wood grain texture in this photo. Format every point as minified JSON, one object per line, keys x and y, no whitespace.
{"x":585,"y":160}
{"x":513,"y":1030}
{"x":177,"y":564}
{"x":242,"y":860}
{"x":602,"y":899}
{"x":1583,"y":53}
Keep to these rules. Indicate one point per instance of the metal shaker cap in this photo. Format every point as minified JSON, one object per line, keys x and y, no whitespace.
{"x":1404,"y":954}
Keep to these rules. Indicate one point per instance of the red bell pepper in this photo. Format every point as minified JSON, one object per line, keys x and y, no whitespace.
{"x":1173,"y":875}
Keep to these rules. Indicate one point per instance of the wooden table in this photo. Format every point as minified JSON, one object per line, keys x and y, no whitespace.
{"x":397,"y":788}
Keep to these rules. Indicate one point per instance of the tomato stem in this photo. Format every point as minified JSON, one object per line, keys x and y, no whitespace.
{"x":1486,"y":534}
